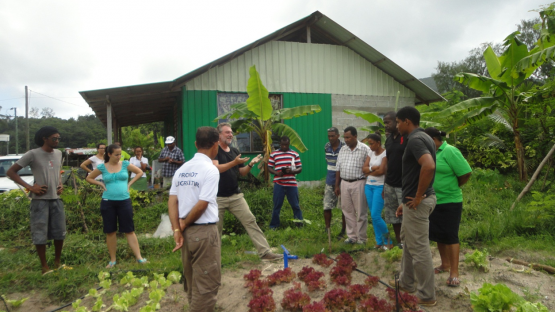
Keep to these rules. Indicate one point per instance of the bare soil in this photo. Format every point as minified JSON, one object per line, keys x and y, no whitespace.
{"x":233,"y":297}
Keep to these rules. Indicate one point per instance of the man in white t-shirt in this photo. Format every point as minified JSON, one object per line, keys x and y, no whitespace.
{"x":193,"y":214}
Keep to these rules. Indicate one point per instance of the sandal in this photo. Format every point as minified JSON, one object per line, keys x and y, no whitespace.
{"x":439,"y":270}
{"x":111,"y":264}
{"x":453,"y":282}
{"x":142,"y":261}
{"x":48,"y":272}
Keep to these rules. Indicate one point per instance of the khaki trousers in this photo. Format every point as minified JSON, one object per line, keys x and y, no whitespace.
{"x":416,"y":265}
{"x":237,"y":205}
{"x":201,"y":256}
{"x":355,"y":209}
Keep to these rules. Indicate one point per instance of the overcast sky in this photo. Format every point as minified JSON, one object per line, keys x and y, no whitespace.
{"x":61,"y":47}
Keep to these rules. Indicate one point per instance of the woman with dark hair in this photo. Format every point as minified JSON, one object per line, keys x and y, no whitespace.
{"x":140,"y":162}
{"x":95,"y":160}
{"x":375,"y":168}
{"x":115,"y":206}
{"x":452,"y":172}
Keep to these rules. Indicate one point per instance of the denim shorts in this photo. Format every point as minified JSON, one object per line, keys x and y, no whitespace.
{"x":117,"y":212}
{"x":48,"y":220}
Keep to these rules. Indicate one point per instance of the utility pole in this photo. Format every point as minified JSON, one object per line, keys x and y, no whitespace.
{"x":27,"y":117}
{"x":16,"y":138}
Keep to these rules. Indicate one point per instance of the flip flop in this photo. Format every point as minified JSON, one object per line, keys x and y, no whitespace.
{"x":48,"y":272}
{"x":453,"y":282}
{"x":111,"y":264}
{"x":61,"y":267}
{"x":439,"y":270}
{"x":142,"y":261}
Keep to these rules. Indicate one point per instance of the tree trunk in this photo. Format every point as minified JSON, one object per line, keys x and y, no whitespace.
{"x":522,"y":174}
{"x":534,"y":176}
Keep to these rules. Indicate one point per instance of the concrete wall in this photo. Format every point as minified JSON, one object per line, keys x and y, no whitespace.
{"x":378,"y":105}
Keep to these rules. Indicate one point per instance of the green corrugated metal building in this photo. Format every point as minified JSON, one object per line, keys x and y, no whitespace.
{"x":311,"y":61}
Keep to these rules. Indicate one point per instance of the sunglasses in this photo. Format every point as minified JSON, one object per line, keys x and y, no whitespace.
{"x":56,"y":139}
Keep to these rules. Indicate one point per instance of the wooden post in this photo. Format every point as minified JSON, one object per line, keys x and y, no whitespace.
{"x":109,"y":119}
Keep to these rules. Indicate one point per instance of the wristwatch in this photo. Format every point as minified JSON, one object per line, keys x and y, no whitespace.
{"x":250,"y":165}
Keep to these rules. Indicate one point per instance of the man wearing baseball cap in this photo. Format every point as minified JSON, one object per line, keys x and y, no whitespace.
{"x":172,"y":157}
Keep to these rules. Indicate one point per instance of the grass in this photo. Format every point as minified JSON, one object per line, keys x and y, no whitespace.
{"x":487,"y":223}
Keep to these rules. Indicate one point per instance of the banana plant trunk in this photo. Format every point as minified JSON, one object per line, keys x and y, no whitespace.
{"x":522,"y":174}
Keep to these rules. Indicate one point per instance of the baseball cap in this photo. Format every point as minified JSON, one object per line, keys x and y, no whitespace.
{"x":170,"y":140}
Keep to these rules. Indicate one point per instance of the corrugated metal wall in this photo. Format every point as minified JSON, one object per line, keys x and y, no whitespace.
{"x":302,"y":68}
{"x":312,"y":129}
{"x":200,"y":108}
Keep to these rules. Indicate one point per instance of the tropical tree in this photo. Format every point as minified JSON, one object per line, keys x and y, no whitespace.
{"x":257,"y":115}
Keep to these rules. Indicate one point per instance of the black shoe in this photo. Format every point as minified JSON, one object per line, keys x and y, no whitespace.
{"x":341,"y":236}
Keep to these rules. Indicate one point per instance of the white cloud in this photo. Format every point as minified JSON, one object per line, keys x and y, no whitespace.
{"x":61,"y":47}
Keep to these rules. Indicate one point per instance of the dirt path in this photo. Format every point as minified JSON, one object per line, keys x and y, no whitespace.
{"x":233,"y":297}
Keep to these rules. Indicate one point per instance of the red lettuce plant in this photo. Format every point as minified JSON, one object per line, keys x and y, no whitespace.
{"x":374,"y":304}
{"x":304,"y":272}
{"x":372,"y":281}
{"x":339,"y":300}
{"x":322,"y":260}
{"x":253,"y":275}
{"x":340,"y":275}
{"x":359,"y":291}
{"x":313,"y":281}
{"x":346,"y":261}
{"x":407,"y":301}
{"x":282,"y":276}
{"x":262,"y":292}
{"x":262,"y":304}
{"x":257,"y":284}
{"x":294,"y":299}
{"x":316,"y":306}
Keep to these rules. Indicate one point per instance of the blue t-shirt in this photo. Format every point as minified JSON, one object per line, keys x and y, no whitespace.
{"x":116,"y":183}
{"x":331,"y":160}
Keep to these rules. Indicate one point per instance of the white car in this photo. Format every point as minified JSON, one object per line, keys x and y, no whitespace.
{"x":6,"y":184}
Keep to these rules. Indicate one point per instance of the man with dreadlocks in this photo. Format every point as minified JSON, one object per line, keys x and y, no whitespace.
{"x":48,"y":220}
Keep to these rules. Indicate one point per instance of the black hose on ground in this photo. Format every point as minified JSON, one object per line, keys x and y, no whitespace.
{"x":385,"y":284}
{"x":5,"y":304}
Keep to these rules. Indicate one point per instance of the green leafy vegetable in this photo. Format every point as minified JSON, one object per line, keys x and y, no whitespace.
{"x":479,"y":259}
{"x":494,"y":298}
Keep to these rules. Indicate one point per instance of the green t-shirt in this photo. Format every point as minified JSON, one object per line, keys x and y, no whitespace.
{"x":450,"y":164}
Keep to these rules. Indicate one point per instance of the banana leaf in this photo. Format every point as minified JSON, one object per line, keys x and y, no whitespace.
{"x":294,"y":138}
{"x":472,"y":117}
{"x":258,"y":101}
{"x":364,"y":115}
{"x":293,"y":112}
{"x":466,"y":105}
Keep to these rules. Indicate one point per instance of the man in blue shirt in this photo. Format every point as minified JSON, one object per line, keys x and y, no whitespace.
{"x":330,"y":199}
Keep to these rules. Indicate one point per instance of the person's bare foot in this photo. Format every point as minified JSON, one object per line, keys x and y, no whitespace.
{"x":440,"y":269}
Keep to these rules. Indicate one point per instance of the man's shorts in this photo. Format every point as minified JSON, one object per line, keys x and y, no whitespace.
{"x":393,"y":197}
{"x":48,"y":220}
{"x":330,"y":199}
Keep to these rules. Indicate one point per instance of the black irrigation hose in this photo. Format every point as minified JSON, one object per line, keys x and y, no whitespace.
{"x":68,"y":304}
{"x":385,"y":284}
{"x":5,"y":304}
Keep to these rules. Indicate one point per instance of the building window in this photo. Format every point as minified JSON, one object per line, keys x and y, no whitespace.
{"x":245,"y":142}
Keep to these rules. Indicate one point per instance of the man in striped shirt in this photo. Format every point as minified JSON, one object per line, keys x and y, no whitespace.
{"x":284,"y":164}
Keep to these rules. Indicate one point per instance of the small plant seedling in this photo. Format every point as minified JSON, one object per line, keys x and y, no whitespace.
{"x":393,"y":254}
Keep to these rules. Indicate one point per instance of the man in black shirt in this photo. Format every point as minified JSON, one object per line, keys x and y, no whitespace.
{"x":419,"y":200}
{"x":231,"y":165}
{"x":392,"y":192}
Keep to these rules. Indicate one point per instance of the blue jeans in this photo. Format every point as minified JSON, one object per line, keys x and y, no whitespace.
{"x":292,"y":193}
{"x":375,"y":205}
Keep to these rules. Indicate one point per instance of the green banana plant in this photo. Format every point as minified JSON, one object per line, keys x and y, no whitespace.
{"x":257,"y":115}
{"x":505,"y":90}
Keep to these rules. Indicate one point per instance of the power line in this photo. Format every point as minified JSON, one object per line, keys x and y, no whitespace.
{"x":58,"y":99}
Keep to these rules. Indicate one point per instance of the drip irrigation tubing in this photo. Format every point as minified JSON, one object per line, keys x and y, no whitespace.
{"x":384,"y":283}
{"x":5,"y":304}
